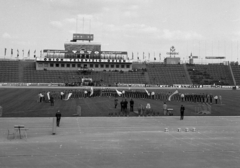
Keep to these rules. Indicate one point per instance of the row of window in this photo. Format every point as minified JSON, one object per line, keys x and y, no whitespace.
{"x":82,"y":65}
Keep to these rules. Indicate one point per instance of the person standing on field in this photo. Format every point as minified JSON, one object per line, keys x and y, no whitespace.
{"x":182,"y":109}
{"x":58,"y":116}
{"x":164,"y":108}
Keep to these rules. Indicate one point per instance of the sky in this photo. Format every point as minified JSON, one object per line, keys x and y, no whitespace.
{"x":201,"y":27}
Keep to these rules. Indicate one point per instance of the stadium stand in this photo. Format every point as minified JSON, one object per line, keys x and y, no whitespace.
{"x":30,"y":74}
{"x":210,"y":74}
{"x":9,"y":71}
{"x":167,"y":74}
{"x":25,"y":71}
{"x":236,"y":73}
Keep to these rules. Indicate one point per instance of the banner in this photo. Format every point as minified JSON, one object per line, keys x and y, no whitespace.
{"x":48,"y":95}
{"x":147,"y":92}
{"x":118,"y":92}
{"x":215,"y":57}
{"x":91,"y":91}
{"x":169,"y":98}
{"x":68,"y":96}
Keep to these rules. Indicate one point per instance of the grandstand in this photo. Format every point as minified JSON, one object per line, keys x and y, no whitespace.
{"x":210,"y":74}
{"x":162,"y":74}
{"x":9,"y":71}
{"x":236,"y":73}
{"x":167,"y":74}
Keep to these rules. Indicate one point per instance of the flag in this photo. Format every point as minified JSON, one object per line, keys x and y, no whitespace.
{"x":147,"y":92}
{"x":91,"y":93}
{"x":23,"y":53}
{"x":68,"y":96}
{"x":169,"y":98}
{"x":17,"y":53}
{"x":154,"y":58}
{"x":11,"y":52}
{"x":48,"y":95}
{"x":35,"y":54}
{"x":118,"y":92}
{"x":5,"y":51}
{"x":41,"y":53}
{"x":28,"y":53}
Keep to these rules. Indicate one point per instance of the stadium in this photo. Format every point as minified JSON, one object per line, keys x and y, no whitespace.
{"x":88,"y":86}
{"x":119,"y":84}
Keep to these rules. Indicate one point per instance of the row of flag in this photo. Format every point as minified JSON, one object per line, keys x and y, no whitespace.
{"x":145,"y":56}
{"x":18,"y":54}
{"x":118,"y":92}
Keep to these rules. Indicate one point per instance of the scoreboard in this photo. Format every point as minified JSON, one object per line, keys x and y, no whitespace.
{"x":85,"y":37}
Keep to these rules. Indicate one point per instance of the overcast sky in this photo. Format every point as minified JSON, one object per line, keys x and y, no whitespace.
{"x":203,"y":27}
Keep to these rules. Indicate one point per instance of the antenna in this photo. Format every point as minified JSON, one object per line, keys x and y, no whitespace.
{"x":83,"y":24}
{"x":76,"y":24}
{"x":89,"y":26}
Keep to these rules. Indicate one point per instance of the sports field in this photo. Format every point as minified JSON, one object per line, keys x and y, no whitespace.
{"x":135,"y":142}
{"x":22,"y":102}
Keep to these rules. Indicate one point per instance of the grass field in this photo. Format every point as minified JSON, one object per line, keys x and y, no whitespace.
{"x":118,"y":141}
{"x":22,"y":102}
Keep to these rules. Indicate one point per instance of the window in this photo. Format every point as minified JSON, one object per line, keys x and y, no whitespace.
{"x":96,"y":65}
{"x":45,"y":64}
{"x":40,"y":65}
{"x":73,"y":65}
{"x":128,"y":66}
{"x":51,"y":65}
{"x":62,"y":65}
{"x":85,"y":65}
{"x":68,"y":65}
{"x":117,"y":66}
{"x":122,"y":66}
{"x":91,"y":65}
{"x":57,"y":65}
{"x":79,"y":65}
{"x":112,"y":66}
{"x":102,"y":65}
{"x":107,"y":66}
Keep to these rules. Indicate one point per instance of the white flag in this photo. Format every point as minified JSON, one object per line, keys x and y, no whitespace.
{"x":118,"y":92}
{"x":147,"y":92}
{"x":169,"y":98}
{"x":91,"y":91}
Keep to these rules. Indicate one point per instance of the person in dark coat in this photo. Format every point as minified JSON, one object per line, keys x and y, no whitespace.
{"x":52,"y":101}
{"x":115,"y":102}
{"x":125,"y":107}
{"x":182,"y":109}
{"x":131,"y":105}
{"x":122,"y":105}
{"x":58,"y":116}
